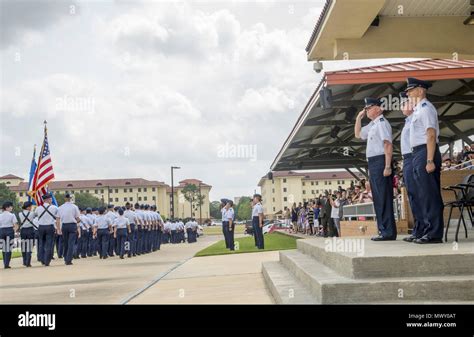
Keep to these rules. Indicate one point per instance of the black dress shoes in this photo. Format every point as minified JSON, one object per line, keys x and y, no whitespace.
{"x":426,"y":240}
{"x":383,"y":238}
{"x":410,"y":238}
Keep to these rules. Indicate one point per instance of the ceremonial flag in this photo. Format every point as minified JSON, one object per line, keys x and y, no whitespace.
{"x":44,"y":172}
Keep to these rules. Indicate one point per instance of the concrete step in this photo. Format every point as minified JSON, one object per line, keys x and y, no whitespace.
{"x":330,"y":287}
{"x":362,"y":258}
{"x":285,"y":287}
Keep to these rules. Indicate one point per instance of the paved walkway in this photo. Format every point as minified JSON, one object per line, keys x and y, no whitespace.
{"x":92,"y":280}
{"x":226,"y":279}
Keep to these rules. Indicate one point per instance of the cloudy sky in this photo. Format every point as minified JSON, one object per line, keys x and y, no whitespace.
{"x":130,"y":88}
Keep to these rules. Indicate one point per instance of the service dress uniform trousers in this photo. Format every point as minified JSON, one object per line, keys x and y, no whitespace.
{"x":103,"y":241}
{"x":45,"y":243}
{"x":258,"y":232}
{"x":69,"y":231}
{"x":27,"y":236}
{"x":430,"y":200}
{"x":382,"y":193}
{"x":7,"y":235}
{"x":410,"y":185}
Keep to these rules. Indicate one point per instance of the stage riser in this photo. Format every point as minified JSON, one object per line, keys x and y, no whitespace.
{"x":386,"y":266}
{"x":329,"y":288}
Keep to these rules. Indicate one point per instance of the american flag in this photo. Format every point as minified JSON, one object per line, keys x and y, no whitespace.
{"x":44,"y":172}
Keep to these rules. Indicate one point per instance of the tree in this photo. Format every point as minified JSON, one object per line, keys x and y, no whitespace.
{"x":215,"y":209}
{"x":7,"y":195}
{"x":86,"y":200}
{"x":243,"y":210}
{"x":191,"y":194}
{"x":82,"y":200}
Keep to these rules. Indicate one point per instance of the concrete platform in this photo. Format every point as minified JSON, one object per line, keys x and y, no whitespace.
{"x":330,"y":271}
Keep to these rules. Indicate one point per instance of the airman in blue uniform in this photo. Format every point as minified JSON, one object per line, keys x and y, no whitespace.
{"x":424,"y":133}
{"x":408,"y":178}
{"x":8,"y":227}
{"x":378,"y":134}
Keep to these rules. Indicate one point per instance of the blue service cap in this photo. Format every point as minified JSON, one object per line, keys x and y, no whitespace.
{"x":369,"y":101}
{"x":224,"y":201}
{"x":414,"y":82}
{"x":47,"y":196}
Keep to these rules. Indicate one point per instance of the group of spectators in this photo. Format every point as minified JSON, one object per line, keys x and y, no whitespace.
{"x":461,"y":160}
{"x":321,"y":216}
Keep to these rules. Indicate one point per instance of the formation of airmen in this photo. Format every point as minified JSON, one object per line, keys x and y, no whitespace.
{"x":421,"y":164}
{"x":76,"y":233}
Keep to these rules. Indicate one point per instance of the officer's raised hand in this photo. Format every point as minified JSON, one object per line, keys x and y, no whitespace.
{"x":361,"y":114}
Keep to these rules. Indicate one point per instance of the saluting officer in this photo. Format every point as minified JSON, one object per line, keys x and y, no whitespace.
{"x":378,"y":134}
{"x":8,"y":226}
{"x":424,"y":133}
{"x":46,"y":214}
{"x":257,"y":221}
{"x":69,"y":216}
{"x":408,"y":178}
{"x":27,"y":232}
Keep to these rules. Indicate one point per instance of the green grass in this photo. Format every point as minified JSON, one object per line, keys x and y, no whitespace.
{"x":217,"y":230}
{"x":273,"y":241}
{"x":15,"y":254}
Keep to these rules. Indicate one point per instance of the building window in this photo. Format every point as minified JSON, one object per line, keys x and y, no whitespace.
{"x":145,"y":198}
{"x":131,"y":198}
{"x":111,"y":199}
{"x":330,"y":182}
{"x":312,"y":191}
{"x":111,"y":191}
{"x":127,"y":183}
{"x":116,"y":199}
{"x":69,"y":185}
{"x":304,"y":200}
{"x":96,"y":191}
{"x":99,"y":184}
{"x":285,"y":199}
{"x":81,"y":191}
{"x":273,"y":190}
{"x":102,"y":191}
{"x":312,"y":183}
{"x":139,"y":198}
{"x":284,"y":189}
{"x":338,"y":182}
{"x":325,"y":182}
{"x":139,"y":189}
{"x":125,"y":199}
{"x":343,"y":182}
{"x":87,"y":191}
{"x":317,"y":183}
{"x":153,"y":198}
{"x":131,"y":190}
{"x":21,"y":194}
{"x":284,"y":180}
{"x":317,"y":191}
{"x":303,"y":183}
{"x":153,"y":189}
{"x":144,"y":189}
{"x":273,"y":209}
{"x":116,"y":190}
{"x":125,"y":190}
{"x":304,"y":191}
